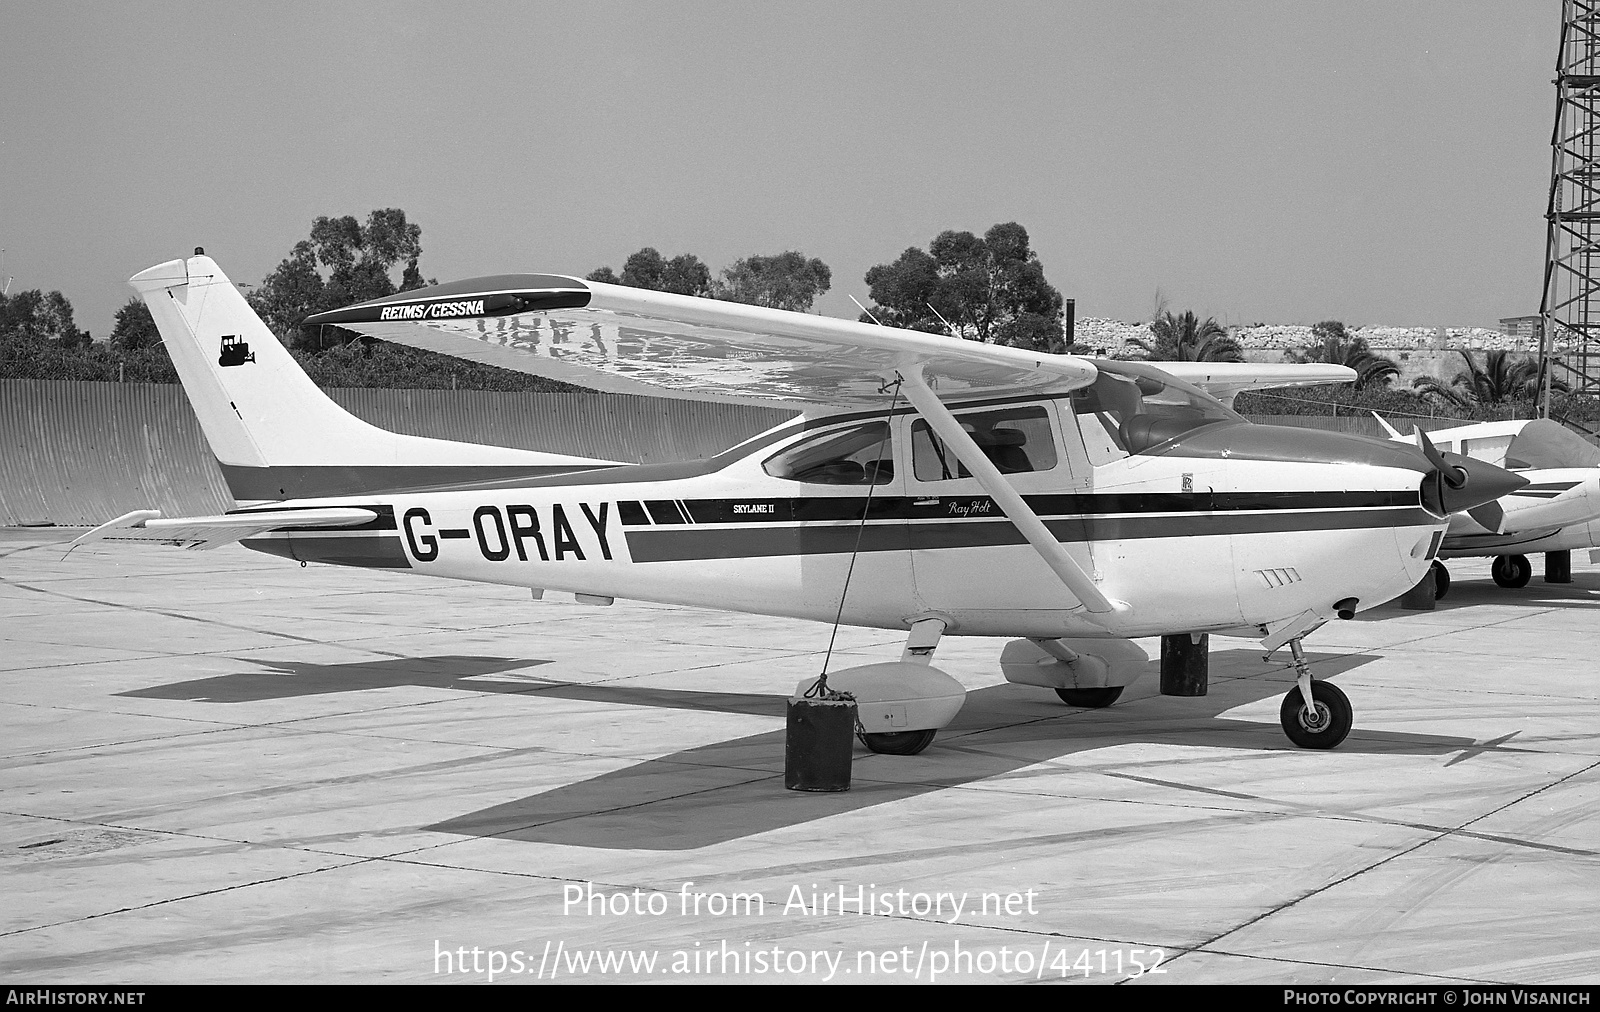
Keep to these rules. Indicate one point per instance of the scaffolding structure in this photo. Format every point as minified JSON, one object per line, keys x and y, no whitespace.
{"x":1570,"y":307}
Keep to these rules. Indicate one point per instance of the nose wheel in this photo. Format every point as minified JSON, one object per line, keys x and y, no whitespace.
{"x":1511,"y":571}
{"x":1314,"y":714}
{"x":1441,"y":580}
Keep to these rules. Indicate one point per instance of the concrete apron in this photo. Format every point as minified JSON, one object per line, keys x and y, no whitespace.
{"x":222,"y":767}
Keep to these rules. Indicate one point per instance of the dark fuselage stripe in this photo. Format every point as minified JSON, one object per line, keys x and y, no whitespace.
{"x":384,"y":552}
{"x":680,"y":545}
{"x":891,"y":507}
{"x":318,"y":482}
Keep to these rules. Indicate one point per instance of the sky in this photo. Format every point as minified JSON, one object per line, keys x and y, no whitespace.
{"x":1380,"y":163}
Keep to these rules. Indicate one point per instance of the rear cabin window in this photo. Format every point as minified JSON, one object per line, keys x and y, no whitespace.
{"x":1016,"y":440}
{"x":862,"y":455}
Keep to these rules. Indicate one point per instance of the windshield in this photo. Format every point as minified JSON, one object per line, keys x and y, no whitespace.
{"x":1139,"y":407}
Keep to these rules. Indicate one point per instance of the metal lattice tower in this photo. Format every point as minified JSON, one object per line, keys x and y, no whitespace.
{"x":1570,"y":307}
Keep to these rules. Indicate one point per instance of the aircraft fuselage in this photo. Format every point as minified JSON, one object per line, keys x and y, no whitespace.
{"x":1195,"y":537}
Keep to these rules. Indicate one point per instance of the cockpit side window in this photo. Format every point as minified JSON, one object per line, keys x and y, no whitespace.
{"x":1016,"y":440}
{"x":861,"y":455}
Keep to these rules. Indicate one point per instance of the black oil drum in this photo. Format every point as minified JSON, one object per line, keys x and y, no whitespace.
{"x":819,"y":743}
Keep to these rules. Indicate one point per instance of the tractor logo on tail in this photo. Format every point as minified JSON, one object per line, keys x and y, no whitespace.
{"x":234,"y":351}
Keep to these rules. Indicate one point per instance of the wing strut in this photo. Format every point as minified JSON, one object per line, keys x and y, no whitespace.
{"x":1010,"y":502}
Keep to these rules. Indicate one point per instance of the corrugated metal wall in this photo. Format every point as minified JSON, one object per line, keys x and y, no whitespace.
{"x":643,"y":430}
{"x":83,"y":453}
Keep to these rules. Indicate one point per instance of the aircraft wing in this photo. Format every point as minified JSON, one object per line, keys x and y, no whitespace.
{"x":1226,"y":380}
{"x":631,"y":340}
{"x":201,"y":533}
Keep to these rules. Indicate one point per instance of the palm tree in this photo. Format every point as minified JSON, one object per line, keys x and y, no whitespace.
{"x":1186,"y":338}
{"x":1501,"y":379}
{"x":1340,"y":347}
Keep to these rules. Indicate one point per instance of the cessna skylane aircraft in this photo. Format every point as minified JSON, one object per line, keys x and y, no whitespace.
{"x":1558,"y":510}
{"x":931,"y":485}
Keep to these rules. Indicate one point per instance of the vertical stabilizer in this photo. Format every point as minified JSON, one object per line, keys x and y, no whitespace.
{"x":275,"y":433}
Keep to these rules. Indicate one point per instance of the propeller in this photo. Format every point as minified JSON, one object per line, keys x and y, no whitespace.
{"x":1489,"y":516}
{"x":1455,"y":477}
{"x":1445,"y":488}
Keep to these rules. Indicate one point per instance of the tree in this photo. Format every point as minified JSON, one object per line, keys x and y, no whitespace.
{"x":1337,"y":346}
{"x":1502,"y":378}
{"x":682,"y":275}
{"x":134,"y":328}
{"x":783,"y":281}
{"x":990,"y":289}
{"x":34,"y":317}
{"x":1186,"y":338}
{"x":358,"y":259}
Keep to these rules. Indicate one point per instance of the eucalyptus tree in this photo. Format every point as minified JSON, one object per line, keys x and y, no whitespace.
{"x":990,"y":289}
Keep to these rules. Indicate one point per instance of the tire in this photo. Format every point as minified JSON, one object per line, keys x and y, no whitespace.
{"x":1094,"y":699}
{"x":1511,"y":571}
{"x":1441,"y":580}
{"x":898,"y":742}
{"x":1333,"y":707}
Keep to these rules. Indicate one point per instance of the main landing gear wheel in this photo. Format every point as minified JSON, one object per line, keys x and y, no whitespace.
{"x":898,"y":742}
{"x":1326,"y":727}
{"x":1511,"y":571}
{"x":1441,"y":580}
{"x":1092,"y":698}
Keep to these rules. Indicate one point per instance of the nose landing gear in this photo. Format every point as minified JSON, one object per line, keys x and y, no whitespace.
{"x":1511,"y":571}
{"x":1314,"y":714}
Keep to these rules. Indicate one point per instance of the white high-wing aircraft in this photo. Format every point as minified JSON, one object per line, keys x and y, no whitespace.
{"x":1558,"y":510}
{"x":932,"y":485}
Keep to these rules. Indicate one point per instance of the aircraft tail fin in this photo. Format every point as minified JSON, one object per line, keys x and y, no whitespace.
{"x":1390,"y":429}
{"x":275,"y":434}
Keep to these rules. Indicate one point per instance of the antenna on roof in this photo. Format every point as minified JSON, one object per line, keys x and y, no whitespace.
{"x":864,"y":309}
{"x":942,"y":320}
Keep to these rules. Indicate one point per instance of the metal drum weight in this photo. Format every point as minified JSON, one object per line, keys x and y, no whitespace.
{"x":819,"y":743}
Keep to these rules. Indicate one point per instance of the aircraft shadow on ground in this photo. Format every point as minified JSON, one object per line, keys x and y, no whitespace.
{"x":1471,"y":593}
{"x":733,"y":789}
{"x":288,"y":679}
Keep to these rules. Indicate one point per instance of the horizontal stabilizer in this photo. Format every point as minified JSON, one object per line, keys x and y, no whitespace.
{"x":201,"y":533}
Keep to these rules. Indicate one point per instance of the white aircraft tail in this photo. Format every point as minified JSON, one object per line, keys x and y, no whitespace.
{"x":275,"y":434}
{"x":1393,"y":432}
